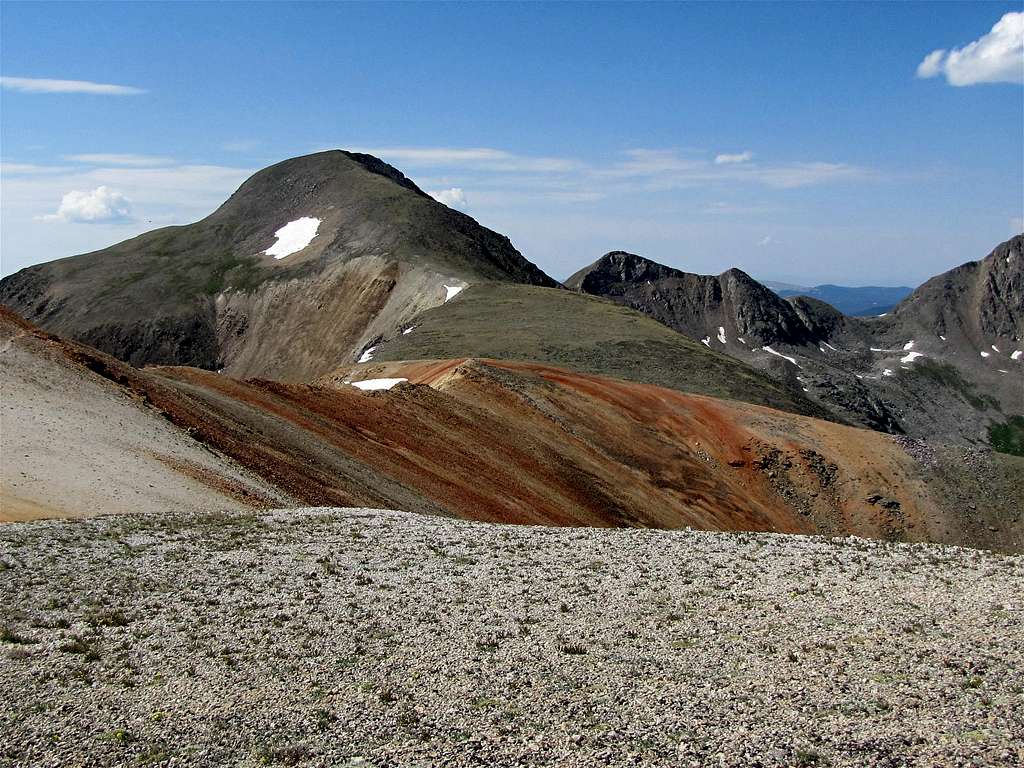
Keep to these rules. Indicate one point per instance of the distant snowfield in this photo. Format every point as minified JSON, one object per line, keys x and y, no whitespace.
{"x":451,"y":291}
{"x":293,"y":237}
{"x":367,"y":355}
{"x":372,"y":385}
{"x":910,"y":357}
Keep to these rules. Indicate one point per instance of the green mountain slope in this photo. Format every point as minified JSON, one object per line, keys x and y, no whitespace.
{"x":588,"y":334}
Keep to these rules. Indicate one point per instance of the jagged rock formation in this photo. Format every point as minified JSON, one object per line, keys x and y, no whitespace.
{"x":979,"y":303}
{"x":696,"y":305}
{"x":947,"y":361}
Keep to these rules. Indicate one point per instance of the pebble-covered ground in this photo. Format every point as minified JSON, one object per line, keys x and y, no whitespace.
{"x":354,"y":637}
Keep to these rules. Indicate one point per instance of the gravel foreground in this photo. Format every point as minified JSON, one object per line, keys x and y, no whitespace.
{"x":347,"y":637}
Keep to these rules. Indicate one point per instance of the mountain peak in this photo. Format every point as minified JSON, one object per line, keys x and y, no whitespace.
{"x":310,"y":259}
{"x":731,"y":304}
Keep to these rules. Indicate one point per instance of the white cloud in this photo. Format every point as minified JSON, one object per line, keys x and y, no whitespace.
{"x":454,"y":197}
{"x":726,"y":159}
{"x":931,"y":65}
{"x":102,"y":204}
{"x":159,"y":195}
{"x":116,"y":159}
{"x":43,"y":85}
{"x":997,"y":57}
{"x":766,"y":240}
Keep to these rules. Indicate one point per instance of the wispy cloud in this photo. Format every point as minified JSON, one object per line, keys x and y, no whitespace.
{"x":477,"y":158}
{"x":44,"y":85}
{"x":30,"y":169}
{"x":121,"y":159}
{"x":726,"y":159}
{"x":102,"y":204}
{"x":667,"y":169}
{"x":997,"y":57}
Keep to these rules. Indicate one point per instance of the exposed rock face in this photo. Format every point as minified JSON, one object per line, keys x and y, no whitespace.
{"x":946,"y":362}
{"x":978,"y":302}
{"x":696,"y":305}
{"x":208,"y":295}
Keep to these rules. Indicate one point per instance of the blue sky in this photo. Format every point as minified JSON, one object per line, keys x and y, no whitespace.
{"x":797,"y":141}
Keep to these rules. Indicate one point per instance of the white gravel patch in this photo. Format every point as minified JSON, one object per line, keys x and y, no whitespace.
{"x":328,"y":637}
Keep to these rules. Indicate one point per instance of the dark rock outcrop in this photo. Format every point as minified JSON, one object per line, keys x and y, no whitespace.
{"x":696,"y":305}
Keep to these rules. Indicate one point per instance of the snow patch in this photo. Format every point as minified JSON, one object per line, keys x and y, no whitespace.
{"x":451,"y":291}
{"x":887,"y":372}
{"x":409,"y":330}
{"x":995,"y":348}
{"x":706,"y":341}
{"x":367,"y":355}
{"x":883,"y":314}
{"x":942,"y":337}
{"x":1002,"y":371}
{"x":373,"y":385}
{"x":721,"y":334}
{"x":985,"y":354}
{"x":1016,"y":355}
{"x":741,"y":340}
{"x":908,"y":345}
{"x":830,"y":346}
{"x":771,"y":351}
{"x":293,"y":237}
{"x":911,"y":357}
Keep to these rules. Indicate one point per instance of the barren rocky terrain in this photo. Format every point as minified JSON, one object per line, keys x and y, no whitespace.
{"x":326,"y":637}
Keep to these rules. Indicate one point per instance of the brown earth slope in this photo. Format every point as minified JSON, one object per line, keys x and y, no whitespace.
{"x":75,"y":443}
{"x":534,"y":443}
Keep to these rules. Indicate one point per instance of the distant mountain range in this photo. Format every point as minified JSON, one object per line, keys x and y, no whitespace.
{"x":856,"y":301}
{"x":634,"y":394}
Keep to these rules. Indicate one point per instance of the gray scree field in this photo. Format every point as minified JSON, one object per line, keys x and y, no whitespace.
{"x":344,"y":637}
